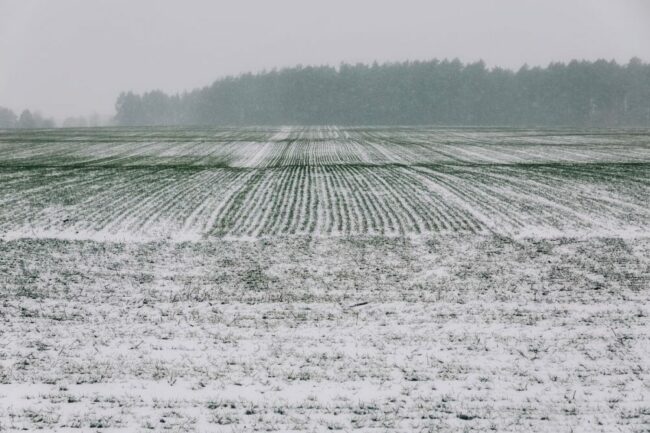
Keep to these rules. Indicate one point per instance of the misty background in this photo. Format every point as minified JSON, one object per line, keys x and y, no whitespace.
{"x":73,"y":58}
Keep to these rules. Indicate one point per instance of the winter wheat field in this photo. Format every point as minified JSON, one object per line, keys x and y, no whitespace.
{"x":308,"y":279}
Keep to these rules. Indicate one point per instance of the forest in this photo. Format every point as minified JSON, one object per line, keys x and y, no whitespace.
{"x":436,"y":92}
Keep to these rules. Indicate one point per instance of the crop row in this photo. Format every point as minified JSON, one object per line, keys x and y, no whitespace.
{"x":316,"y":146}
{"x":323,"y":200}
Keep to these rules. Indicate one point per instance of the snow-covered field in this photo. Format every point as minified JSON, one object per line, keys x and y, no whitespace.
{"x":301,"y":279}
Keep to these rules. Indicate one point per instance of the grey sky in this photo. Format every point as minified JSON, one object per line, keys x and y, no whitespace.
{"x":71,"y":57}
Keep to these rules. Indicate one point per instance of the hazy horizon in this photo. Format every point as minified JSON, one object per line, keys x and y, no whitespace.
{"x":74,"y":58}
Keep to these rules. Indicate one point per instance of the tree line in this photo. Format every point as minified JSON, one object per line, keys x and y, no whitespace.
{"x":26,"y":120}
{"x":33,"y":120}
{"x":434,"y":92}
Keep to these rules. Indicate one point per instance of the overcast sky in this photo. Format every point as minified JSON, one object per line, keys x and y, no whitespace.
{"x":72,"y":57}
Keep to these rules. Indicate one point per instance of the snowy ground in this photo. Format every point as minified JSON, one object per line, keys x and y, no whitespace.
{"x":493,"y":308}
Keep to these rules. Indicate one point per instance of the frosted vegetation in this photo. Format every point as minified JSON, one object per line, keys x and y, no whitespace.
{"x":324,"y":278}
{"x":189,"y":183}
